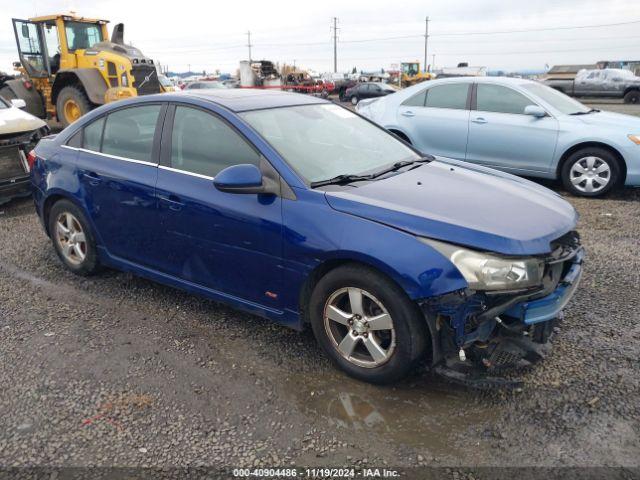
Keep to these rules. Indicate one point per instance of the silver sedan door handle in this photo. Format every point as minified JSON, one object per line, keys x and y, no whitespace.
{"x":408,"y":113}
{"x":479,"y":120}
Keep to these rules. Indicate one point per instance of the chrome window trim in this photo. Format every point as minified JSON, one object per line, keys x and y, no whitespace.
{"x":185,"y":172}
{"x":125,"y":159}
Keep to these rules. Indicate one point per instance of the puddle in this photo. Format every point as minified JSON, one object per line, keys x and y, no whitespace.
{"x":424,"y":414}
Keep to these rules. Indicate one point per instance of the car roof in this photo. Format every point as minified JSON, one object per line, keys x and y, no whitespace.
{"x":245,"y":99}
{"x":487,"y":79}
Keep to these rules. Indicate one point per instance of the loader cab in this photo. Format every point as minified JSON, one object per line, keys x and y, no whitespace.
{"x":47,"y":45}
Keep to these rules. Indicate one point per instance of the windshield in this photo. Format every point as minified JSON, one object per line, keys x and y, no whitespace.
{"x":81,"y":36}
{"x":324,"y":141}
{"x":556,"y":99}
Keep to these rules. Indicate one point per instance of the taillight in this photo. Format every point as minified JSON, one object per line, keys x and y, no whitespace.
{"x":31,"y":159}
{"x":27,"y":84}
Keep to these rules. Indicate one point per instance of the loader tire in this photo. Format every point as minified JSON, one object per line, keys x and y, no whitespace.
{"x":72,"y":103}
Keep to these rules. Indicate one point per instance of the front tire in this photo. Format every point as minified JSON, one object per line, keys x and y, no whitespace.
{"x":367,"y":324}
{"x":590,"y":172}
{"x":632,"y":97}
{"x":72,"y":238}
{"x":71,"y":104}
{"x":354,"y":100}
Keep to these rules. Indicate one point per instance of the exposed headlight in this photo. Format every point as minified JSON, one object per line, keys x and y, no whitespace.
{"x":486,"y":271}
{"x":124,"y":80}
{"x":635,"y":139}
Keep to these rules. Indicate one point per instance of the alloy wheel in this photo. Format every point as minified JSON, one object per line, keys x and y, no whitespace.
{"x":359,"y":327}
{"x":590,"y":174}
{"x":71,"y":238}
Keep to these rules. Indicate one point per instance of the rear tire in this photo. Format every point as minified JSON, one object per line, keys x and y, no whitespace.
{"x":590,"y":172}
{"x":632,"y":97}
{"x":354,"y":100}
{"x":367,"y":324}
{"x":72,"y":238}
{"x":72,"y":103}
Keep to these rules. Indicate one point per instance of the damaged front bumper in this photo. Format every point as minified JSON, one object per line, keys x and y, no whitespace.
{"x":477,"y":334}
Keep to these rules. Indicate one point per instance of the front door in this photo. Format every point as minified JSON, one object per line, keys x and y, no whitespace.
{"x":502,"y":136}
{"x":30,"y":48}
{"x":230,"y":243}
{"x":437,"y":120}
{"x":117,"y":169}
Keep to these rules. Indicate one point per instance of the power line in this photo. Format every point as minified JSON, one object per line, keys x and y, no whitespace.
{"x":548,"y":29}
{"x":501,"y":32}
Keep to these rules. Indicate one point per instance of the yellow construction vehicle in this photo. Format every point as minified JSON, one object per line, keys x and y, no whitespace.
{"x":411,"y":74}
{"x":68,"y":66}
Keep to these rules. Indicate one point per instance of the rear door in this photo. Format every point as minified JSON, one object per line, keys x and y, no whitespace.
{"x":437,"y":119}
{"x":31,"y":48}
{"x":501,"y":135}
{"x":118,"y":169}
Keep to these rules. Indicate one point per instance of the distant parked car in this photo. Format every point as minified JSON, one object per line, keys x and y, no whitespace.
{"x":608,"y":82}
{"x":367,"y":90}
{"x":298,"y":210}
{"x":19,"y":132}
{"x":205,"y":85}
{"x":516,"y":125}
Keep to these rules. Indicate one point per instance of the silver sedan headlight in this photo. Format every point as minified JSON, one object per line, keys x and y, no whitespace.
{"x":486,"y":271}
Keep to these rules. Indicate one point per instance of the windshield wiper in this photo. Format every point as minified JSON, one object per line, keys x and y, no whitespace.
{"x":591,"y":110}
{"x":340,"y":179}
{"x":398,"y":165}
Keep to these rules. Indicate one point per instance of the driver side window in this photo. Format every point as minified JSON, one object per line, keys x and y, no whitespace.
{"x":205,"y":145}
{"x":499,"y":99}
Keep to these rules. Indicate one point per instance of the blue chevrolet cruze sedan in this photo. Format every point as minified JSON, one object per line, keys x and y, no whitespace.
{"x":298,"y":210}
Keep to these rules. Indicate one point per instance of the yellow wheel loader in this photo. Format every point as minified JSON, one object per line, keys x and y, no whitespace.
{"x":69,"y":66}
{"x":411,"y":74}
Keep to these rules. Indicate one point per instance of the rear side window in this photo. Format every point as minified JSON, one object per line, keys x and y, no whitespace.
{"x":417,"y":100}
{"x":129,"y":133}
{"x":76,"y":139}
{"x":448,"y":96}
{"x":496,"y":98}
{"x":204,"y":144}
{"x":93,"y":135}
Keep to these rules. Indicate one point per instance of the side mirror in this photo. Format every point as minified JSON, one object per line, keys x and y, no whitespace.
{"x":244,"y":178}
{"x":535,"y":111}
{"x":18,"y":103}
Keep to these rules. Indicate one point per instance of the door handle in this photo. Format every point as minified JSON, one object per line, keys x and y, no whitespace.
{"x":479,"y":120}
{"x":174,"y":202}
{"x":93,"y":178}
{"x":408,"y":113}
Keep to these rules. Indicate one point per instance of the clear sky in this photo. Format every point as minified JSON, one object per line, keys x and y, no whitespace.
{"x":209,"y":35}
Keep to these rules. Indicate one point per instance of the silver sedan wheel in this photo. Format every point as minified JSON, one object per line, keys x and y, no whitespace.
{"x":354,"y":100}
{"x":359,"y":327}
{"x":590,"y":174}
{"x":71,"y":238}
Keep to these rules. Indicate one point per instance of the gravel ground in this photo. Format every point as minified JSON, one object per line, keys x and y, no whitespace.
{"x":115,"y":370}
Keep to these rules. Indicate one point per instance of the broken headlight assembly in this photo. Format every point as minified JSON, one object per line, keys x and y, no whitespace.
{"x":490,"y":272}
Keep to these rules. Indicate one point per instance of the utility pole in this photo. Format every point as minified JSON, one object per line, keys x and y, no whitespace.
{"x":426,"y":38}
{"x":433,"y":62}
{"x":335,"y":44}
{"x":249,"y":44}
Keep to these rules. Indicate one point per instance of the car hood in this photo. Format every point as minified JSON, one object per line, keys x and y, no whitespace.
{"x":463,"y":204}
{"x":610,"y":119}
{"x":14,"y":120}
